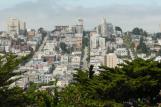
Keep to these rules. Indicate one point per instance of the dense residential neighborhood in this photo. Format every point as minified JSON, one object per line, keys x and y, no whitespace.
{"x":57,"y":53}
{"x":70,"y":61}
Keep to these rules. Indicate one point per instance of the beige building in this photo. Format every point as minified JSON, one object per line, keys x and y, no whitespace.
{"x":30,"y":34}
{"x":77,"y":41}
{"x":111,"y":60}
{"x":14,"y":25}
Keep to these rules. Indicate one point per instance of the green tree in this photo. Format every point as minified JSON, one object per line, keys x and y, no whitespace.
{"x":65,"y":48}
{"x":117,"y":28}
{"x":139,"y":31}
{"x":137,"y":82}
{"x":15,"y":96}
{"x":134,"y":80}
{"x":10,"y":96}
{"x":142,"y":48}
{"x":136,"y":31}
{"x":42,"y":31}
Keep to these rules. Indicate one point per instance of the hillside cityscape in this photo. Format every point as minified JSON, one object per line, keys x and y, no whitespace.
{"x":71,"y":65}
{"x":59,"y":52}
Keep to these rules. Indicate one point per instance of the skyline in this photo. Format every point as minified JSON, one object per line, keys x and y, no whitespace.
{"x":124,"y":13}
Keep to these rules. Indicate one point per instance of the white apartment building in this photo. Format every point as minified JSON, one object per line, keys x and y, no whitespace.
{"x":119,"y":41}
{"x":5,"y":44}
{"x":158,"y":59}
{"x":97,"y":60}
{"x":75,"y":61}
{"x":93,"y":43}
{"x":96,"y":41}
{"x":142,"y":55}
{"x":121,"y":52}
{"x":159,"y":41}
{"x":45,"y":78}
{"x":94,"y":52}
{"x":64,"y":59}
{"x":60,"y":70}
{"x":102,"y":43}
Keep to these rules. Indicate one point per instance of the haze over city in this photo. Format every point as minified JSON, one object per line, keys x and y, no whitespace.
{"x":48,"y":13}
{"x":80,"y":53}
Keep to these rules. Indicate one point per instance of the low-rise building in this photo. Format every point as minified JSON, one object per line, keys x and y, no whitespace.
{"x":75,"y":61}
{"x":64,"y":59}
{"x":45,"y":78}
{"x":122,"y":52}
{"x":59,"y":70}
{"x":119,"y":41}
{"x":158,"y":59}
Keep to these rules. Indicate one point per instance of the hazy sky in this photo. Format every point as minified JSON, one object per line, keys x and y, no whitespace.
{"x":48,"y":13}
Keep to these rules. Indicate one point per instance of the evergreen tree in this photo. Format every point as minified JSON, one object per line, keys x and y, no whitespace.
{"x":10,"y":96}
{"x":135,"y":83}
{"x":142,"y":48}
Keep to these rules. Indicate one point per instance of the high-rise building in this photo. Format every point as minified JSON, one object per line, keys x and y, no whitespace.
{"x":102,"y":43}
{"x":104,"y":28}
{"x":79,"y":26}
{"x":94,"y":41}
{"x":98,"y":29}
{"x":15,"y":26}
{"x":22,"y":25}
{"x":111,"y":60}
{"x":110,"y":29}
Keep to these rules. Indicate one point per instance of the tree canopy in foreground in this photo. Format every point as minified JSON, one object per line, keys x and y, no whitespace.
{"x":136,"y":83}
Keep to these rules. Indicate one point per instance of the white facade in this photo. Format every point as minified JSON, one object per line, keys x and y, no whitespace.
{"x":97,"y":60}
{"x":102,"y":43}
{"x":45,"y":78}
{"x":121,"y":52}
{"x":60,"y":70}
{"x":159,"y":41}
{"x":64,"y":59}
{"x":94,"y":41}
{"x":75,"y":60}
{"x":158,"y":59}
{"x":104,"y":28}
{"x":142,"y":55}
{"x":119,"y":41}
